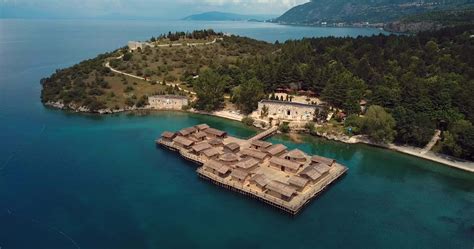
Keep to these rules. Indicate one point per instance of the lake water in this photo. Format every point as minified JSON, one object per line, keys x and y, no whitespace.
{"x":86,"y":181}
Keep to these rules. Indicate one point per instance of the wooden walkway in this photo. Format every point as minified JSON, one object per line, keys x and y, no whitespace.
{"x":264,"y":134}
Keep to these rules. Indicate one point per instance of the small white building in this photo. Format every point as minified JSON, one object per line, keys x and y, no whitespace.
{"x":285,"y":110}
{"x":168,"y":102}
{"x":134,"y":45}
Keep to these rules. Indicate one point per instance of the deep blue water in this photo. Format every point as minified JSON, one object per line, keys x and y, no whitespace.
{"x":85,"y":181}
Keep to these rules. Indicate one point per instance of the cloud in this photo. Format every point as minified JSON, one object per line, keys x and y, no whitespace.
{"x":145,"y":8}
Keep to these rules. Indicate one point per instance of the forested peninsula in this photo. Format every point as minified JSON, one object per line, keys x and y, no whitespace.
{"x":414,"y":83}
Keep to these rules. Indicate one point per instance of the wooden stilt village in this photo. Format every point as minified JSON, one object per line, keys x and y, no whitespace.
{"x":285,"y":179}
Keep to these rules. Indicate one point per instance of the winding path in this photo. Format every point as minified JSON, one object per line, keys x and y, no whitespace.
{"x":107,"y":64}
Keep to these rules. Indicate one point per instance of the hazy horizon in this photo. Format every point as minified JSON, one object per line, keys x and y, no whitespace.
{"x":139,"y":9}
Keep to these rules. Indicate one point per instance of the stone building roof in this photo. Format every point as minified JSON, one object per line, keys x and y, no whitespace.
{"x":279,"y":102}
{"x":168,"y":97}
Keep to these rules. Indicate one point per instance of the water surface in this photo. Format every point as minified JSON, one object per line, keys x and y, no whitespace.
{"x":85,"y":181}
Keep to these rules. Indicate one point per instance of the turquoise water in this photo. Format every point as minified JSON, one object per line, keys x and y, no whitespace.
{"x":85,"y":181}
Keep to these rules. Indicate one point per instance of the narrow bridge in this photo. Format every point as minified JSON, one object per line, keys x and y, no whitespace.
{"x":264,"y":134}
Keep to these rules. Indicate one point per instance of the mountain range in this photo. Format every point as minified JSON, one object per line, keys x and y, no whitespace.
{"x":365,"y":11}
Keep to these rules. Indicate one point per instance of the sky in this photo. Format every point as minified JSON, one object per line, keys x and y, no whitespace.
{"x":156,"y":9}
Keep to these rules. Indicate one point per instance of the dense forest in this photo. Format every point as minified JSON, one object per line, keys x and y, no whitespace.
{"x":423,"y":81}
{"x":420,"y":82}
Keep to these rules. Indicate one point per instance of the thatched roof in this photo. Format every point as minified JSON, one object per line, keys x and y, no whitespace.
{"x":298,"y":181}
{"x":280,"y":188}
{"x":201,"y":126}
{"x":200,"y":134}
{"x":325,"y":160}
{"x":276,"y":149}
{"x":217,"y":166}
{"x":232,"y":146}
{"x":261,"y":144}
{"x":260,"y":180}
{"x":168,"y":135}
{"x":296,"y":154}
{"x":211,"y":152}
{"x":201,"y":146}
{"x":253,"y":153}
{"x":311,"y":173}
{"x":182,"y":140}
{"x":285,"y":163}
{"x":187,"y":131}
{"x":247,"y":164}
{"x":321,"y":168}
{"x":239,"y":174}
{"x":215,"y":141}
{"x":229,"y":157}
{"x":215,"y":132}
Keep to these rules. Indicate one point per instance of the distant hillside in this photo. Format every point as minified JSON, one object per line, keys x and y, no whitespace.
{"x":432,"y":20}
{"x":355,"y":11}
{"x":223,"y":16}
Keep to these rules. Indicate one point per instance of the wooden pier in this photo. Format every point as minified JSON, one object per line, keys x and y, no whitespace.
{"x":279,"y":189}
{"x":265,"y":134}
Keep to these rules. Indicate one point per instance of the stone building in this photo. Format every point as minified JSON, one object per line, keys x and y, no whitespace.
{"x":168,"y":102}
{"x":134,"y":45}
{"x":285,"y":110}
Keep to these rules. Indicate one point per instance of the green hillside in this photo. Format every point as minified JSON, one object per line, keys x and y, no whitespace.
{"x":373,"y":11}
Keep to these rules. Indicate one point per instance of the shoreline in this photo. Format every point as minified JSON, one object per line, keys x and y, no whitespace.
{"x":466,"y":166}
{"x":412,"y":151}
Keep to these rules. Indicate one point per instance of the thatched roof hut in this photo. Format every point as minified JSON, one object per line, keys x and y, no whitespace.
{"x":319,"y":159}
{"x":276,"y":149}
{"x":260,"y":145}
{"x":280,"y":162}
{"x":247,"y":164}
{"x":229,"y":158}
{"x":281,"y":188}
{"x":298,"y":181}
{"x":254,"y":154}
{"x":239,"y":175}
{"x":296,"y":155}
{"x":201,"y":127}
{"x":201,"y":147}
{"x":183,"y":141}
{"x":311,"y":173}
{"x":187,"y":131}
